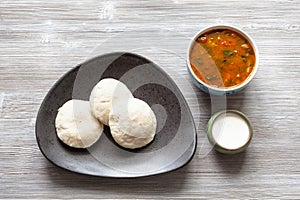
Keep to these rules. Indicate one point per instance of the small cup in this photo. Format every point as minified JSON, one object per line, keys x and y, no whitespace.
{"x":229,"y":131}
{"x":226,"y":90}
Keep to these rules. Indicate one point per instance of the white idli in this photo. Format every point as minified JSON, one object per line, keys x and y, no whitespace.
{"x":76,"y":126}
{"x":134,"y":125}
{"x":103,"y":94}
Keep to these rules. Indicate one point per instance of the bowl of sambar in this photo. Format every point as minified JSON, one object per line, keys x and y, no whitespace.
{"x":222,"y":59}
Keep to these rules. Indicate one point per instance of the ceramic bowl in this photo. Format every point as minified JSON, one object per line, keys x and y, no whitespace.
{"x":227,"y":90}
{"x":236,"y":126}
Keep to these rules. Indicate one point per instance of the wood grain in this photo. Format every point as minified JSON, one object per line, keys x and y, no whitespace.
{"x":42,"y":40}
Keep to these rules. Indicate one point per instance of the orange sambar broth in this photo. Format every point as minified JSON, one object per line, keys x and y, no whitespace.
{"x":222,"y":58}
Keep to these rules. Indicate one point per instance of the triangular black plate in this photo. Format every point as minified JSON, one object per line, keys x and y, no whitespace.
{"x":175,"y":141}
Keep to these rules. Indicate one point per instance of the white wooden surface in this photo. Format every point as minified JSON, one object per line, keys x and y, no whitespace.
{"x":41,"y":40}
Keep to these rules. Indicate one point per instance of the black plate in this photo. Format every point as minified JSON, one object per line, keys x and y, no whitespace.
{"x":175,"y":141}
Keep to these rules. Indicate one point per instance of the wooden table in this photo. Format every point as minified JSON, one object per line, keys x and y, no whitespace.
{"x":42,"y":40}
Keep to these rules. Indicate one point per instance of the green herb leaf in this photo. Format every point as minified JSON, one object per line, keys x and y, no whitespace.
{"x":227,"y":53}
{"x":250,"y":52}
{"x":244,"y":58}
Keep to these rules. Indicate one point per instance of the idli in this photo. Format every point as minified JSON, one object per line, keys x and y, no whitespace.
{"x":132,"y":124}
{"x":76,"y":126}
{"x":106,"y":91}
